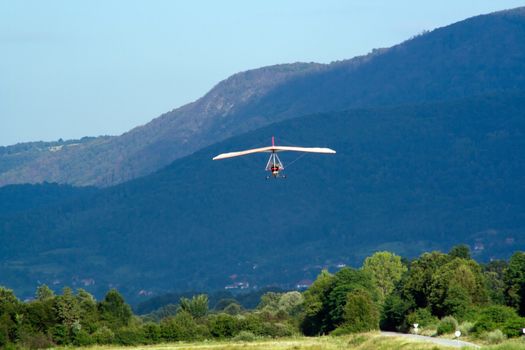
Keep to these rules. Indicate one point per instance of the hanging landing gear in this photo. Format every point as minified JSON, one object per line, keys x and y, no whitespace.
{"x":275,"y":166}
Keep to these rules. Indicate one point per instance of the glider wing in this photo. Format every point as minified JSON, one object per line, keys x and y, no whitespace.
{"x":274,"y":149}
{"x":242,"y":153}
{"x":303,"y":149}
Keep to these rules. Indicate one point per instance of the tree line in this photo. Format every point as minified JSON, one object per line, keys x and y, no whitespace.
{"x":440,"y":292}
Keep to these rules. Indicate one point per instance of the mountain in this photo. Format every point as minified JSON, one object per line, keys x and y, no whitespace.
{"x":407,"y":179}
{"x":109,"y":160}
{"x":483,"y":54}
{"x":22,"y":154}
{"x":24,"y":198}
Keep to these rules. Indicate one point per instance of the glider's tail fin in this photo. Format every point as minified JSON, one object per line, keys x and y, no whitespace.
{"x":273,"y":141}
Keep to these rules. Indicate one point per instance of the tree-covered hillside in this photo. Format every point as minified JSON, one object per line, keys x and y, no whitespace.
{"x":484,"y":54}
{"x":406,"y":179}
{"x":23,"y":198}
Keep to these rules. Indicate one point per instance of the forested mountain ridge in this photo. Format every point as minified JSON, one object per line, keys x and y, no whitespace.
{"x":111,"y":160}
{"x":21,"y":154}
{"x":483,"y":54}
{"x":406,"y":179}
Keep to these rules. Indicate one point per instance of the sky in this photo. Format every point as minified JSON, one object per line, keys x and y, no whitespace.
{"x":70,"y":69}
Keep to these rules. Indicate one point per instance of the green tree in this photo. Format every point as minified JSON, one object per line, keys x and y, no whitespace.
{"x":460,"y":251}
{"x":386,"y":270}
{"x":347,"y":280}
{"x":88,"y":310}
{"x":361,"y":314}
{"x":394,"y":312}
{"x":418,"y":284}
{"x":43,"y":293}
{"x":223,"y":303}
{"x":10,"y":314}
{"x":514,"y":279}
{"x":316,"y":304}
{"x":291,"y":303}
{"x":233,"y":309}
{"x":41,"y":315}
{"x":68,"y":314}
{"x":197,"y":306}
{"x":9,"y":303}
{"x":114,"y":311}
{"x":494,"y":273}
{"x":270,"y":301}
{"x":456,"y":286}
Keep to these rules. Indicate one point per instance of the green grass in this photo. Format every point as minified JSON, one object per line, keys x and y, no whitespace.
{"x":514,"y":344}
{"x":368,"y":341}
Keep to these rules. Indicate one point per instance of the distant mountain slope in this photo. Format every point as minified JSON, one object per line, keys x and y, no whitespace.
{"x":484,"y":54}
{"x":147,"y":148}
{"x":24,"y":198}
{"x":21,"y":154}
{"x":406,"y":179}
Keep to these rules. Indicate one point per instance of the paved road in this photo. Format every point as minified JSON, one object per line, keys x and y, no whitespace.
{"x":439,"y":341}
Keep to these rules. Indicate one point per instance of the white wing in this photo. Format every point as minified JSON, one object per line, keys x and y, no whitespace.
{"x":304,"y":149}
{"x":274,"y":149}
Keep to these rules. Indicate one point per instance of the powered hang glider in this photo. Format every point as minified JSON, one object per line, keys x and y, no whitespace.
{"x":274,"y":165}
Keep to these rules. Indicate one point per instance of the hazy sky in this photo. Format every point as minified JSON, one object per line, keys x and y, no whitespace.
{"x":84,"y":68}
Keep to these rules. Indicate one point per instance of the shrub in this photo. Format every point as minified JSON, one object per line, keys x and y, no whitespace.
{"x":245,"y":336}
{"x":223,"y":326}
{"x":277,"y":330}
{"x":513,"y":327}
{"x":471,"y":314}
{"x":483,"y":325}
{"x":494,"y":337}
{"x":129,"y":336}
{"x":180,"y":327}
{"x":36,"y":341}
{"x":60,"y":334}
{"x":342,"y":330}
{"x":447,"y":325}
{"x":103,"y":335}
{"x":151,"y":332}
{"x":423,"y":317}
{"x":466,"y":327}
{"x":493,"y":317}
{"x":251,"y":323}
{"x":357,"y":340}
{"x":83,"y":338}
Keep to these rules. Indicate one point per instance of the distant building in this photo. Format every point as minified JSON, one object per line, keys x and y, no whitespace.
{"x":55,"y":148}
{"x":238,"y":285}
{"x":145,"y":293}
{"x":478,"y":247}
{"x":303,"y":284}
{"x":86,"y":282}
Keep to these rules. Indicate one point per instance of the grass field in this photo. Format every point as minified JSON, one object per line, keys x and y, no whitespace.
{"x":368,"y":341}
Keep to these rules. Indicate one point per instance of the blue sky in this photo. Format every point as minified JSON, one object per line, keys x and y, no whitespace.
{"x":84,"y":68}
